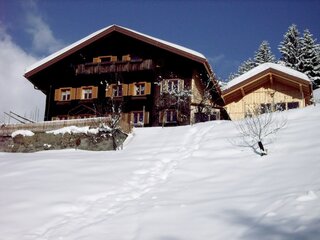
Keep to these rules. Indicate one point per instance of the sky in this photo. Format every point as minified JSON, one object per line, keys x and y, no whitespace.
{"x":226,"y":32}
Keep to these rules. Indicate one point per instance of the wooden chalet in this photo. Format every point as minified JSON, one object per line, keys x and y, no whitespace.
{"x":118,"y":66}
{"x":268,"y":86}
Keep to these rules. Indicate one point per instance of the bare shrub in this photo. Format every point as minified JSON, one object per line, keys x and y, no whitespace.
{"x":257,"y":127}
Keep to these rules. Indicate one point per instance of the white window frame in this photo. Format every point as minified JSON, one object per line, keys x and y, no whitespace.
{"x":138,"y":115}
{"x":66,"y":94}
{"x":139,"y":89}
{"x":87,"y":93}
{"x":172,"y":84}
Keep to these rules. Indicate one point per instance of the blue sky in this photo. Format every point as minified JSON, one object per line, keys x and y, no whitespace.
{"x":227,"y":32}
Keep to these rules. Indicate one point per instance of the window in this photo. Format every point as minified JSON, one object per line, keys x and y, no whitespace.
{"x":65,"y":94}
{"x":171,"y":116}
{"x":280,"y":106}
{"x":265,"y":107}
{"x":139,"y":89}
{"x":173,"y":85}
{"x":87,"y":93}
{"x":292,"y":105}
{"x":170,"y":85}
{"x":138,"y":118}
{"x":117,"y":91}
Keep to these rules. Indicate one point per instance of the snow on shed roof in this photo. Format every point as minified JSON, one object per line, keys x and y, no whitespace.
{"x":263,"y":67}
{"x":101,"y":31}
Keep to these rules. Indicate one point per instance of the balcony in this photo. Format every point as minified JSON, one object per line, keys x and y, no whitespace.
{"x":111,"y":67}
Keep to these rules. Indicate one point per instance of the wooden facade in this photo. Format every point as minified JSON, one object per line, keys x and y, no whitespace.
{"x":117,"y":66}
{"x":271,"y":88}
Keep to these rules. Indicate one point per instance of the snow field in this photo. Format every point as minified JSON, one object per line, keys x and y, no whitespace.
{"x":190,"y":182}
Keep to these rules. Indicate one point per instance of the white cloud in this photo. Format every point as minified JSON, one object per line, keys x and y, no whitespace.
{"x":223,"y":66}
{"x":216,"y":59}
{"x":17,"y":93}
{"x":43,"y":40}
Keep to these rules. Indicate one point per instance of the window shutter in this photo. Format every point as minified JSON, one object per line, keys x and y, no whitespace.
{"x":164,"y":86}
{"x":181,"y":84}
{"x":57,"y":94}
{"x":73,"y":92}
{"x":109,"y":90}
{"x":79,"y":93}
{"x":161,"y":116}
{"x":94,"y":92}
{"x":148,"y":88}
{"x":124,"y":89}
{"x":161,"y":86}
{"x":96,"y":60}
{"x":146,"y":117}
{"x":131,"y":89}
{"x":126,"y":57}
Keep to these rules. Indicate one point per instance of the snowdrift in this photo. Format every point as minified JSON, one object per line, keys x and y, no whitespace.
{"x":190,"y":182}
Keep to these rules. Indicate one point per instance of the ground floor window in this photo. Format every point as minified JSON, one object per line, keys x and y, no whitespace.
{"x":280,"y":106}
{"x":138,"y":118}
{"x":265,"y":107}
{"x":171,"y":116}
{"x":292,"y":105}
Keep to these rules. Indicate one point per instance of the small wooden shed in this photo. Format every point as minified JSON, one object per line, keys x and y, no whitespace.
{"x":267,"y":86}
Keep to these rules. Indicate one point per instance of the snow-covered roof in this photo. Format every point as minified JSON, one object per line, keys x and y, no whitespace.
{"x":187,"y":50}
{"x":262,"y":68}
{"x":101,"y":31}
{"x":65,"y":49}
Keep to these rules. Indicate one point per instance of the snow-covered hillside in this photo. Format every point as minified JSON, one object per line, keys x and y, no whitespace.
{"x":190,"y":182}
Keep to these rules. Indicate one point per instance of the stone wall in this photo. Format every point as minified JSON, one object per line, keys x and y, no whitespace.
{"x":102,"y":141}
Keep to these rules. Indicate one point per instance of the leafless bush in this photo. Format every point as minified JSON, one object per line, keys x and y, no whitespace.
{"x":257,"y":127}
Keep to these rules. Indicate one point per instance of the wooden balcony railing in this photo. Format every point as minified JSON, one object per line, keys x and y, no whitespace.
{"x":110,"y":67}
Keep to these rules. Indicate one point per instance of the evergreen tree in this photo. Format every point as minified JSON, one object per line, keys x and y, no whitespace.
{"x":309,"y":57}
{"x":264,"y":54}
{"x":290,"y":48}
{"x":246,"y":66}
{"x":243,"y":68}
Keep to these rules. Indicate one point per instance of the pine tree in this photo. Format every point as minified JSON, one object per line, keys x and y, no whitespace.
{"x":243,"y":68}
{"x":310,"y":58}
{"x":264,"y":54}
{"x":246,"y":66}
{"x":290,"y":47}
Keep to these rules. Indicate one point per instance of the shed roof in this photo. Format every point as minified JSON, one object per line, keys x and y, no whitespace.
{"x":266,"y":72}
{"x":55,"y":57}
{"x":263,"y":67}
